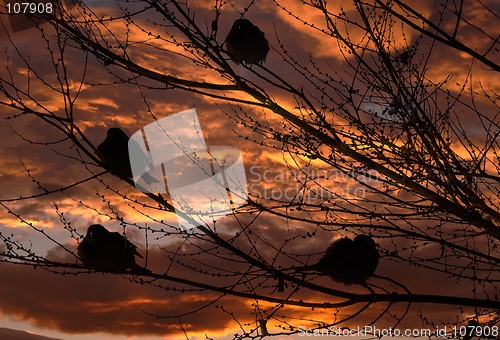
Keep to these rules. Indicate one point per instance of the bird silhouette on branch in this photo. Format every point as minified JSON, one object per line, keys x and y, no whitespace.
{"x":114,"y":155}
{"x":246,"y":43}
{"x":347,"y":261}
{"x":109,"y":251}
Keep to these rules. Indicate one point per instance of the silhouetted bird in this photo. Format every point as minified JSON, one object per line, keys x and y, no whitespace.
{"x":348,"y":261}
{"x":470,"y":330}
{"x":103,"y":250}
{"x":114,"y":154}
{"x":246,"y":43}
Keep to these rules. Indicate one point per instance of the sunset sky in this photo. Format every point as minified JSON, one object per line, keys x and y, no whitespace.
{"x":106,"y":306}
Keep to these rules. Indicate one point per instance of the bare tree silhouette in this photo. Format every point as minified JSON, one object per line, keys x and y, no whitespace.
{"x":374,"y":142}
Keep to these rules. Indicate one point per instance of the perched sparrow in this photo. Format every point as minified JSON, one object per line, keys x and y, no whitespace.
{"x":114,"y":155}
{"x":246,"y":43}
{"x":108,"y":251}
{"x":348,"y":261}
